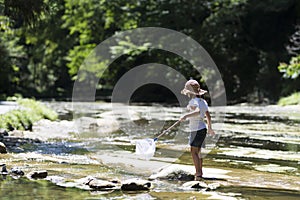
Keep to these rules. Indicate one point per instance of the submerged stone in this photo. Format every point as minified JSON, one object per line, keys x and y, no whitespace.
{"x":195,"y":184}
{"x":56,"y":179}
{"x":213,"y":186}
{"x":135,"y":185}
{"x":201,"y":185}
{"x":101,"y":185}
{"x":85,"y":180}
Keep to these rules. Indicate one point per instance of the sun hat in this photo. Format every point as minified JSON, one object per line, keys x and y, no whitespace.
{"x":192,"y":87}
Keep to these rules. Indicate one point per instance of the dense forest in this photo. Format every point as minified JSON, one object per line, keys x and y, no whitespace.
{"x":254,"y":43}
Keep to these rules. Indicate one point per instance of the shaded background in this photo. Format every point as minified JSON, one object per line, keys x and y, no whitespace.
{"x":44,"y":42}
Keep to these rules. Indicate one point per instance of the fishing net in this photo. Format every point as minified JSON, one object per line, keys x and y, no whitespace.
{"x":145,"y":148}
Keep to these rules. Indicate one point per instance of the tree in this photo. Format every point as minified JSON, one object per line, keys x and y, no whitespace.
{"x":24,"y":12}
{"x":292,"y":70}
{"x":44,"y":43}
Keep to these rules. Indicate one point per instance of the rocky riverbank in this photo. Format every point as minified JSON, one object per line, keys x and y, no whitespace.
{"x":95,"y":154}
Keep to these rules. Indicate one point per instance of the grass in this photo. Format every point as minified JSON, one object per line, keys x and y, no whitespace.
{"x":23,"y":118}
{"x":293,"y":99}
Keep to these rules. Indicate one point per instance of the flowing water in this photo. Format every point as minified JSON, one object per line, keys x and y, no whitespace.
{"x":256,"y":152}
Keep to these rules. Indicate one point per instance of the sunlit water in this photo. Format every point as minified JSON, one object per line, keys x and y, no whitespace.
{"x":257,"y":147}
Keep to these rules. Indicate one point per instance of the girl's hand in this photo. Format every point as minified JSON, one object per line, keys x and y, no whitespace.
{"x":182,"y":118}
{"x":210,"y":131}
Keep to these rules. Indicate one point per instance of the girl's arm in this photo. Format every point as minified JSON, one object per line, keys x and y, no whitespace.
{"x":209,"y":127}
{"x":195,"y":112}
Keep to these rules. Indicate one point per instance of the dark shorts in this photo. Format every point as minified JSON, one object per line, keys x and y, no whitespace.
{"x":197,"y":138}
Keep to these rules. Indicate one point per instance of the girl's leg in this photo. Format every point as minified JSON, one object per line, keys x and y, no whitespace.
{"x":195,"y":151}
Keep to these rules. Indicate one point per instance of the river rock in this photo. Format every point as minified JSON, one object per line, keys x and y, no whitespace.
{"x":99,"y":127}
{"x":3,"y":169}
{"x":38,"y":174}
{"x":92,"y":183}
{"x":55,"y":179}
{"x":101,"y":185}
{"x":16,"y":134}
{"x":195,"y":184}
{"x":200,"y":185}
{"x":85,"y":180}
{"x":45,"y":129}
{"x":16,"y":171}
{"x":107,"y":126}
{"x":175,"y":172}
{"x":3,"y":132}
{"x":135,"y":185}
{"x":2,"y":148}
{"x":213,"y":186}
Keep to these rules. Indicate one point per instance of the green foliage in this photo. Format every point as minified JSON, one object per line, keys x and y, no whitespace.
{"x":41,"y":111}
{"x":291,"y":70}
{"x":84,"y":21}
{"x":27,"y":12}
{"x":224,"y":35}
{"x":32,"y":58}
{"x":11,"y":52}
{"x":30,"y":112}
{"x":76,"y":57}
{"x":293,"y":99}
{"x":43,"y":43}
{"x":47,"y":46}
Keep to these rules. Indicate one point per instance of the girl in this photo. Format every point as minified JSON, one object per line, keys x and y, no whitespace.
{"x":198,"y":109}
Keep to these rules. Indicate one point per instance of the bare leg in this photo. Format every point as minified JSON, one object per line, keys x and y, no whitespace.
{"x":195,"y":151}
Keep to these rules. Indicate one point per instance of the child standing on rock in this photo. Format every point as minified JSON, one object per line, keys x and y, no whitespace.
{"x":198,"y":110}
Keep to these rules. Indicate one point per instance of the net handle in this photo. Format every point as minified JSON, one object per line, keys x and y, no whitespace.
{"x":167,"y":130}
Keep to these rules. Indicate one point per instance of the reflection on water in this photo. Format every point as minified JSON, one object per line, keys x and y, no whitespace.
{"x":257,"y":145}
{"x":24,"y":189}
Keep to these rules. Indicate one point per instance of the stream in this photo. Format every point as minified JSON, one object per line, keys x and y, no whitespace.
{"x":255,"y":152}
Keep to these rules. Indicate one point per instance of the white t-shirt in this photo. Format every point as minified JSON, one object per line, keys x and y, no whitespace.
{"x":197,"y":122}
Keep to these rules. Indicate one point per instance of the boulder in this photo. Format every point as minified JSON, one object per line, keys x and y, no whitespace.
{"x":3,"y":148}
{"x":38,"y":174}
{"x":135,"y":185}
{"x":186,"y":173}
{"x":175,"y":172}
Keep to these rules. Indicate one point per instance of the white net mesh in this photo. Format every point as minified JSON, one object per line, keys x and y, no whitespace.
{"x":145,"y":148}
